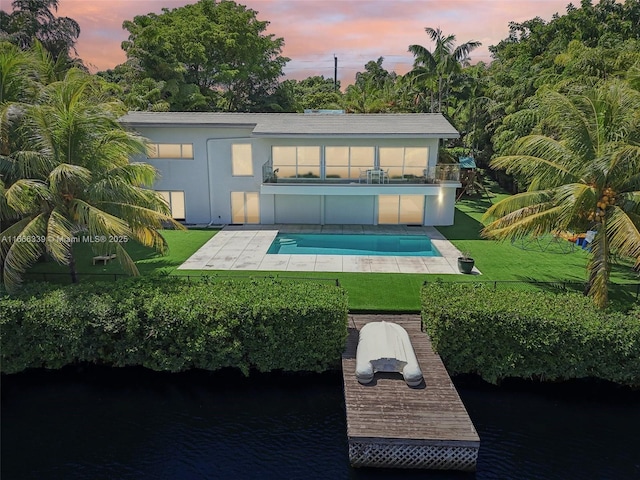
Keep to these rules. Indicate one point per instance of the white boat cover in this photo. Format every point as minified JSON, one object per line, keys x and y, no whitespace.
{"x":386,"y":347}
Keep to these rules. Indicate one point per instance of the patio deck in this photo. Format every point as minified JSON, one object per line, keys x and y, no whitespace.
{"x":244,"y":247}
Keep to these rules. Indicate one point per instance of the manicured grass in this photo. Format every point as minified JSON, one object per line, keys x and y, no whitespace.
{"x":182,"y":244}
{"x":547,"y":261}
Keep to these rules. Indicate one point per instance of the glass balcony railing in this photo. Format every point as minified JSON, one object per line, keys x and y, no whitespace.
{"x":433,"y":175}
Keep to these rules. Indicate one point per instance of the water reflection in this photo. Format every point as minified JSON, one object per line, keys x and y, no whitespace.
{"x":134,"y":424}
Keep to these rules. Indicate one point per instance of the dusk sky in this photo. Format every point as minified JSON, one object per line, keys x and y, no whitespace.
{"x":356,"y":31}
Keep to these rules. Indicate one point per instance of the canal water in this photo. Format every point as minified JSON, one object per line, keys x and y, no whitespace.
{"x":134,"y":424}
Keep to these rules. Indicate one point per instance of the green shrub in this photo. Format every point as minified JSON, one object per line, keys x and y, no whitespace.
{"x":526,"y":334}
{"x":172,"y":324}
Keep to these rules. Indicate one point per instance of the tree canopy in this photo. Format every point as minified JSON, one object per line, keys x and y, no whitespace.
{"x":435,"y":71}
{"x":210,"y":55}
{"x":34,"y":21}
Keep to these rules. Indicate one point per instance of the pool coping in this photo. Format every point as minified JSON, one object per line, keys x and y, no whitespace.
{"x":244,"y":247}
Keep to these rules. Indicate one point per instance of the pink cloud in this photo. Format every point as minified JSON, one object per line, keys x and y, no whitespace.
{"x":356,"y":31}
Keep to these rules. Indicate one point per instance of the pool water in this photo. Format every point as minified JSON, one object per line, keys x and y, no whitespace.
{"x":339,"y":244}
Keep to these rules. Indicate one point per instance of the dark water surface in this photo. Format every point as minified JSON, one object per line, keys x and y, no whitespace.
{"x":134,"y":424}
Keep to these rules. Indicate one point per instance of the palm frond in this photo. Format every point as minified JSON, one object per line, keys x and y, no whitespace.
{"x":150,"y":237}
{"x":138,"y":216}
{"x":30,"y":164}
{"x":26,"y":196}
{"x":66,"y":177}
{"x":126,"y":261}
{"x":517,"y":202}
{"x":7,"y":236}
{"x":529,"y":221}
{"x":575,"y":199}
{"x":623,"y":233}
{"x":423,"y":57}
{"x":624,"y":168}
{"x":60,"y":235}
{"x":6,"y":212}
{"x":573,"y":118}
{"x":23,"y":254}
{"x":97,"y":222}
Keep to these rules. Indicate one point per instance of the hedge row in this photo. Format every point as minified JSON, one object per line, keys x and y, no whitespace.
{"x":173,"y":325}
{"x":540,"y":335}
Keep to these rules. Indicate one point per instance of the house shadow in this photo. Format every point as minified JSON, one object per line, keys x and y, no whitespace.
{"x":464,"y":227}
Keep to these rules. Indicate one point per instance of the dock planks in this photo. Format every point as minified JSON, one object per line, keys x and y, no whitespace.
{"x":390,"y":424}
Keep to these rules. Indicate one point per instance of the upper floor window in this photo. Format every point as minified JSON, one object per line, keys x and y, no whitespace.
{"x":296,"y":162}
{"x":347,"y":162}
{"x":403,"y":162}
{"x":241,"y":159}
{"x":170,"y":150}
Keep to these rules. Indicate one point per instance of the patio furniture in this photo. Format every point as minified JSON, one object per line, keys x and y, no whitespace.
{"x":104,"y":258}
{"x":377,"y":175}
{"x":386,"y":347}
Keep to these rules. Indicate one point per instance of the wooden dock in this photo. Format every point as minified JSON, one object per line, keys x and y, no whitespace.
{"x":390,"y":424}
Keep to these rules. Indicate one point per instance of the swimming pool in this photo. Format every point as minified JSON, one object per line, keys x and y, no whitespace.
{"x":338,"y":244}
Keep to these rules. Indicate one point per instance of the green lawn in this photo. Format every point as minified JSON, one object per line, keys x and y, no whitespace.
{"x":498,"y":261}
{"x":182,"y":244}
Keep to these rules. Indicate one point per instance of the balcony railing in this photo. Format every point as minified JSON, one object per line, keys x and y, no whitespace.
{"x":433,"y":175}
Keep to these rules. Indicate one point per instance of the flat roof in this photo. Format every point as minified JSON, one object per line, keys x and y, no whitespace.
{"x":433,"y":125}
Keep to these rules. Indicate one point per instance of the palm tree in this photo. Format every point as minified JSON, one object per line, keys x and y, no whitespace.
{"x":584,"y":174}
{"x":368,"y":97}
{"x":69,"y":174}
{"x":443,"y":64}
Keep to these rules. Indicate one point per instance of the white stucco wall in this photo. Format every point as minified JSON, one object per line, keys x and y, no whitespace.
{"x":298,"y":209}
{"x":208,"y":182}
{"x":439,"y":209}
{"x":356,"y":210}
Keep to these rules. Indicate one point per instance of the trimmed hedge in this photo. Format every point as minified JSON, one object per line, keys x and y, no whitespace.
{"x":532,"y":335}
{"x":170,"y":324}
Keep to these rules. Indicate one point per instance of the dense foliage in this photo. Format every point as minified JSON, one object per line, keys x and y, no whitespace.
{"x":170,"y":324}
{"x":582,"y":47}
{"x":548,"y":336}
{"x":34,"y":21}
{"x":210,"y":55}
{"x":215,"y":55}
{"x":582,"y":166}
{"x":65,"y":169}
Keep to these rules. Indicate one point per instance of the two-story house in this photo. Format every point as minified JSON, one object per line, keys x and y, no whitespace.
{"x":313,"y":168}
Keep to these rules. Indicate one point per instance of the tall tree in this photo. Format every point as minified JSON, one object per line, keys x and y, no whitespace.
{"x":588,"y":44}
{"x":212,"y":55}
{"x":316,"y":92}
{"x":442,"y":64}
{"x":35,"y":20}
{"x":583,"y":172}
{"x":67,"y":173}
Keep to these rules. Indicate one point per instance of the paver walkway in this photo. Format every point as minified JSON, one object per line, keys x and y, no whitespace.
{"x":244,"y":247}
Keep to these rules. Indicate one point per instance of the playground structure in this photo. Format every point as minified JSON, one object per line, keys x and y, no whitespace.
{"x":471,"y":179}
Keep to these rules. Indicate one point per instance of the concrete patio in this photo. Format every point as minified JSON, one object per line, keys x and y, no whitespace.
{"x":244,"y":247}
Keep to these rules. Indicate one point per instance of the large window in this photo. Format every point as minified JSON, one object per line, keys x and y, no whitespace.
{"x":404,"y":162}
{"x":348,"y":162}
{"x":242,"y":160}
{"x":296,"y":162}
{"x":245,"y":207}
{"x":175,"y":200}
{"x":400,"y":209}
{"x":170,"y":150}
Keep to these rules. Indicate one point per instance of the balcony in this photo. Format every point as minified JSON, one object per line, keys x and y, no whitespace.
{"x":379,"y":177}
{"x":370,"y":182}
